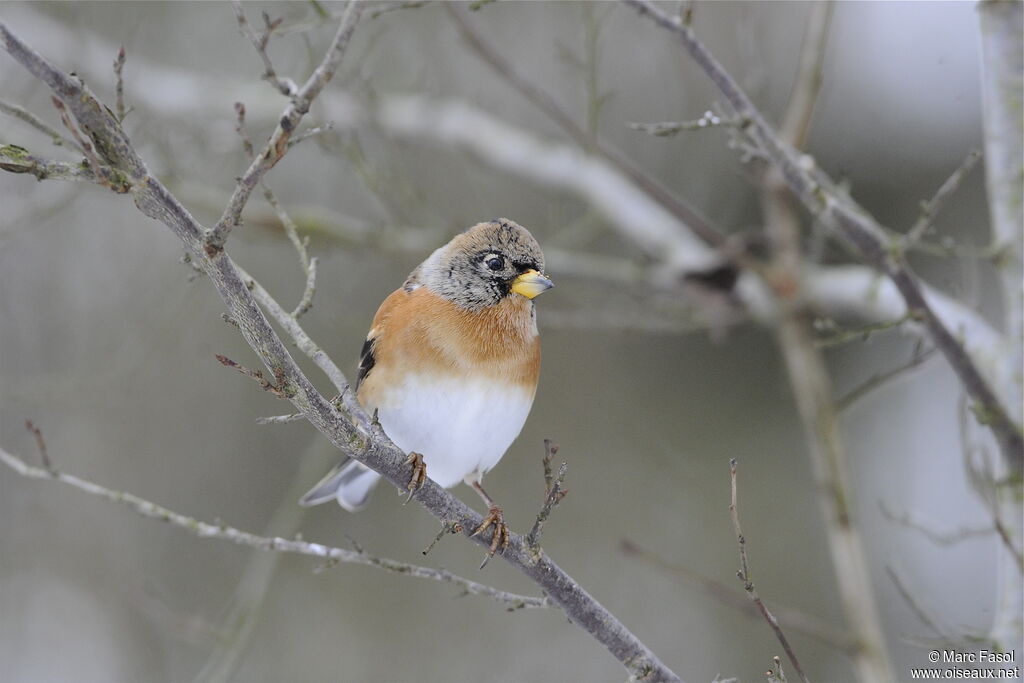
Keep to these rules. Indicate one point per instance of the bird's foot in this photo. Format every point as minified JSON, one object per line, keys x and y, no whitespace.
{"x":500,"y":538}
{"x":419,"y":475}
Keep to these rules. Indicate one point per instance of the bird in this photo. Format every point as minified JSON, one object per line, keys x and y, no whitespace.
{"x":450,"y":367}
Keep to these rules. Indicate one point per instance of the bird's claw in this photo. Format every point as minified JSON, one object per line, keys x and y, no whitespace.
{"x":419,"y":475}
{"x":501,"y":533}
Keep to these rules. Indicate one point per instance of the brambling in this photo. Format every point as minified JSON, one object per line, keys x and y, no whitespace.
{"x":450,"y":366}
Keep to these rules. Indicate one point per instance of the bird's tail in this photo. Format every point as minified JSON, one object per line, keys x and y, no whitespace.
{"x":350,"y":484}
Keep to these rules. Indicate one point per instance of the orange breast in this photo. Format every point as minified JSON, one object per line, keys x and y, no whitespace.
{"x":422,"y":333}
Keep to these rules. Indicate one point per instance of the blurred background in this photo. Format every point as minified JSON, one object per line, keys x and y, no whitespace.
{"x":107,"y":342}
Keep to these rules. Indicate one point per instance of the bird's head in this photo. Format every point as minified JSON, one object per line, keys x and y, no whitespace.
{"x":486,"y":264}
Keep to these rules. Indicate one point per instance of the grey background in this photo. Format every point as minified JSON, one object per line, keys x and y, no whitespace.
{"x":108,"y":345}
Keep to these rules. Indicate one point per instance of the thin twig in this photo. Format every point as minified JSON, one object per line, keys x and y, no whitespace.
{"x":880,"y":379}
{"x":553,"y":495}
{"x":776,"y":673}
{"x":789,"y":617}
{"x":277,"y":145}
{"x":938,"y":537}
{"x":386,"y":7}
{"x":15,"y":159}
{"x":748,"y":585}
{"x":665,"y":129}
{"x":283,"y":85}
{"x":856,"y":334}
{"x":280,"y":419}
{"x":446,"y":528}
{"x":40,"y":125}
{"x":65,"y":118}
{"x":315,"y":130}
{"x":1007,"y":539}
{"x":290,"y":228}
{"x":256,"y":375}
{"x":311,"y":349}
{"x":271,"y":544}
{"x":915,"y":606}
{"x":119,"y":108}
{"x":931,"y":208}
{"x":44,"y":457}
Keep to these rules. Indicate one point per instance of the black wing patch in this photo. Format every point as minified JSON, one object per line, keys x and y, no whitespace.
{"x":366,"y":361}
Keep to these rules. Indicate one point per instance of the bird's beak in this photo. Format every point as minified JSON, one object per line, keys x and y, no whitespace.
{"x":531,"y":283}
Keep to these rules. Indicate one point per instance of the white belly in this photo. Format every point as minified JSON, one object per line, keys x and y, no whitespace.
{"x":459,"y":427}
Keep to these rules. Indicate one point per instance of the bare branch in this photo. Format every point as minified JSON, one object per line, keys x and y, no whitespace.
{"x":40,"y":445}
{"x":857,"y":227}
{"x":311,"y":349}
{"x":931,"y":208}
{"x":789,"y":617}
{"x":915,"y":606}
{"x":277,"y":145}
{"x":776,"y":674}
{"x":280,"y":419}
{"x":384,"y":8}
{"x":880,"y":379}
{"x":667,"y":129}
{"x":938,"y":537}
{"x":841,"y":337}
{"x":256,"y":375}
{"x":553,"y":495}
{"x":90,"y":156}
{"x":270,"y":544}
{"x":40,"y":125}
{"x":305,"y":135}
{"x":290,"y":228}
{"x":748,"y":585}
{"x":119,"y":86}
{"x":283,"y":85}
{"x":1002,"y":95}
{"x":15,"y":159}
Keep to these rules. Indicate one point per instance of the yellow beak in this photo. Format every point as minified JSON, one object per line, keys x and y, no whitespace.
{"x":531,"y":283}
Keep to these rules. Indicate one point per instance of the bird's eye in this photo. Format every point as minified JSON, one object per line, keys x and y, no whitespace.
{"x":494,"y":262}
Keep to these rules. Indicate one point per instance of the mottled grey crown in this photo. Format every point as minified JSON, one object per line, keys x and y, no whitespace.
{"x":476,"y":269}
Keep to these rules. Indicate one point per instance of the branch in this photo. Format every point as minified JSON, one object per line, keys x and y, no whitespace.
{"x":748,"y":585}
{"x":915,"y":606}
{"x":271,"y":544}
{"x":277,"y":145}
{"x":938,"y":537}
{"x":40,"y":125}
{"x":789,"y":618}
{"x":879,"y":379}
{"x":119,"y":85}
{"x":283,"y":85}
{"x":15,"y":159}
{"x":857,"y":227}
{"x":1002,"y":94}
{"x":667,"y":129}
{"x":553,"y":495}
{"x":371,"y":448}
{"x":290,"y":228}
{"x":932,"y":207}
